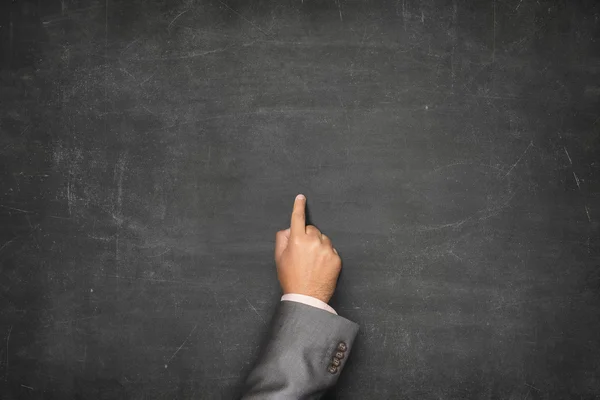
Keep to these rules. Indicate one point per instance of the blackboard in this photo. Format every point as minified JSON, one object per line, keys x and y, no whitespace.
{"x":151,"y":150}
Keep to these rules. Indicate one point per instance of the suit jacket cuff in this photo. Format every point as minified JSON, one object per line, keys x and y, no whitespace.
{"x":305,"y":353}
{"x":308,"y":300}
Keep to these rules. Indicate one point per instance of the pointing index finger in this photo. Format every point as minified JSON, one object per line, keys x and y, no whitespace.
{"x":298,"y":223}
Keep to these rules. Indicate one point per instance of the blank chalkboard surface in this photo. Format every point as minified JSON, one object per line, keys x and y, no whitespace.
{"x":150,"y":150}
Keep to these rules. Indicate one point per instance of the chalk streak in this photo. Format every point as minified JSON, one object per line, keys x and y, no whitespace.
{"x":531,"y":386}
{"x":244,"y":18}
{"x":568,"y":156}
{"x":175,"y":19}
{"x":518,"y":5}
{"x":208,"y":158}
{"x":520,"y":158}
{"x":164,"y":252}
{"x":587,"y":211}
{"x":69,"y":193}
{"x":119,"y":171}
{"x":16,"y":209}
{"x":439,"y":227}
{"x":462,"y":163}
{"x":139,"y":278}
{"x":182,"y":344}
{"x":576,"y":180}
{"x":254,"y":309}
{"x":7,"y":243}
{"x":494,"y":33}
{"x":7,"y":339}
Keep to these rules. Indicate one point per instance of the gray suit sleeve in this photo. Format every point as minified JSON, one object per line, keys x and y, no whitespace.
{"x":299,"y":361}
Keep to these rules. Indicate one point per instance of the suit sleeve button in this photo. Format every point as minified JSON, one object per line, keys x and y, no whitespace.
{"x":342,"y":346}
{"x":332,"y":369}
{"x":339,"y":355}
{"x":335,"y":362}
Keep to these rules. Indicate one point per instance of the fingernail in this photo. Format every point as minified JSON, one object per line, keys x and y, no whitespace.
{"x":300,"y":197}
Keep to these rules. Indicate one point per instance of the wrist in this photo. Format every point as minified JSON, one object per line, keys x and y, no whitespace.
{"x":319,"y":296}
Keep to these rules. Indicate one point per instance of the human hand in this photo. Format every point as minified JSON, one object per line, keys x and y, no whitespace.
{"x":306,"y":261}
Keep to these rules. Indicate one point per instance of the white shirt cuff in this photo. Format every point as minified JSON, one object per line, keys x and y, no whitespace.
{"x":308,"y":300}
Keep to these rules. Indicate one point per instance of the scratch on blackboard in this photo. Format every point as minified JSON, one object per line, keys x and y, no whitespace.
{"x":182,"y":344}
{"x":27,"y":387}
{"x":175,"y":19}
{"x":588,"y":244}
{"x":254,"y":309}
{"x":11,"y":35}
{"x":117,"y":257}
{"x":84,"y":352}
{"x":462,"y":163}
{"x":520,"y":158}
{"x":340,"y":10}
{"x":531,"y":386}
{"x":456,"y":224}
{"x":454,"y":254}
{"x":203,"y":53}
{"x":119,"y":172}
{"x":454,"y":40}
{"x":547,"y":299}
{"x":492,"y":211}
{"x":7,"y":339}
{"x":181,"y":57}
{"x":69,"y":198}
{"x":403,"y":13}
{"x":57,"y":217}
{"x":518,"y":5}
{"x":139,"y":278}
{"x":32,"y":232}
{"x":7,"y":243}
{"x":208,"y":158}
{"x":104,"y":239}
{"x":494,"y":34}
{"x":244,"y":18}
{"x":15,"y":209}
{"x":568,"y":156}
{"x":128,"y":73}
{"x":130,"y":44}
{"x":587,"y":211}
{"x":163,"y":253}
{"x":106,"y":64}
{"x":69,"y":321}
{"x":576,"y":180}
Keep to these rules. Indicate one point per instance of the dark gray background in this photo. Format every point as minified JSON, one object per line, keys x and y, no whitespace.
{"x":151,"y":149}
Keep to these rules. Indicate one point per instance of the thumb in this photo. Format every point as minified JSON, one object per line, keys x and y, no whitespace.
{"x":281,"y":242}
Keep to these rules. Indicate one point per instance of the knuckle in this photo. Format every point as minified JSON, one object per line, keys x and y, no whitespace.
{"x":313,"y":229}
